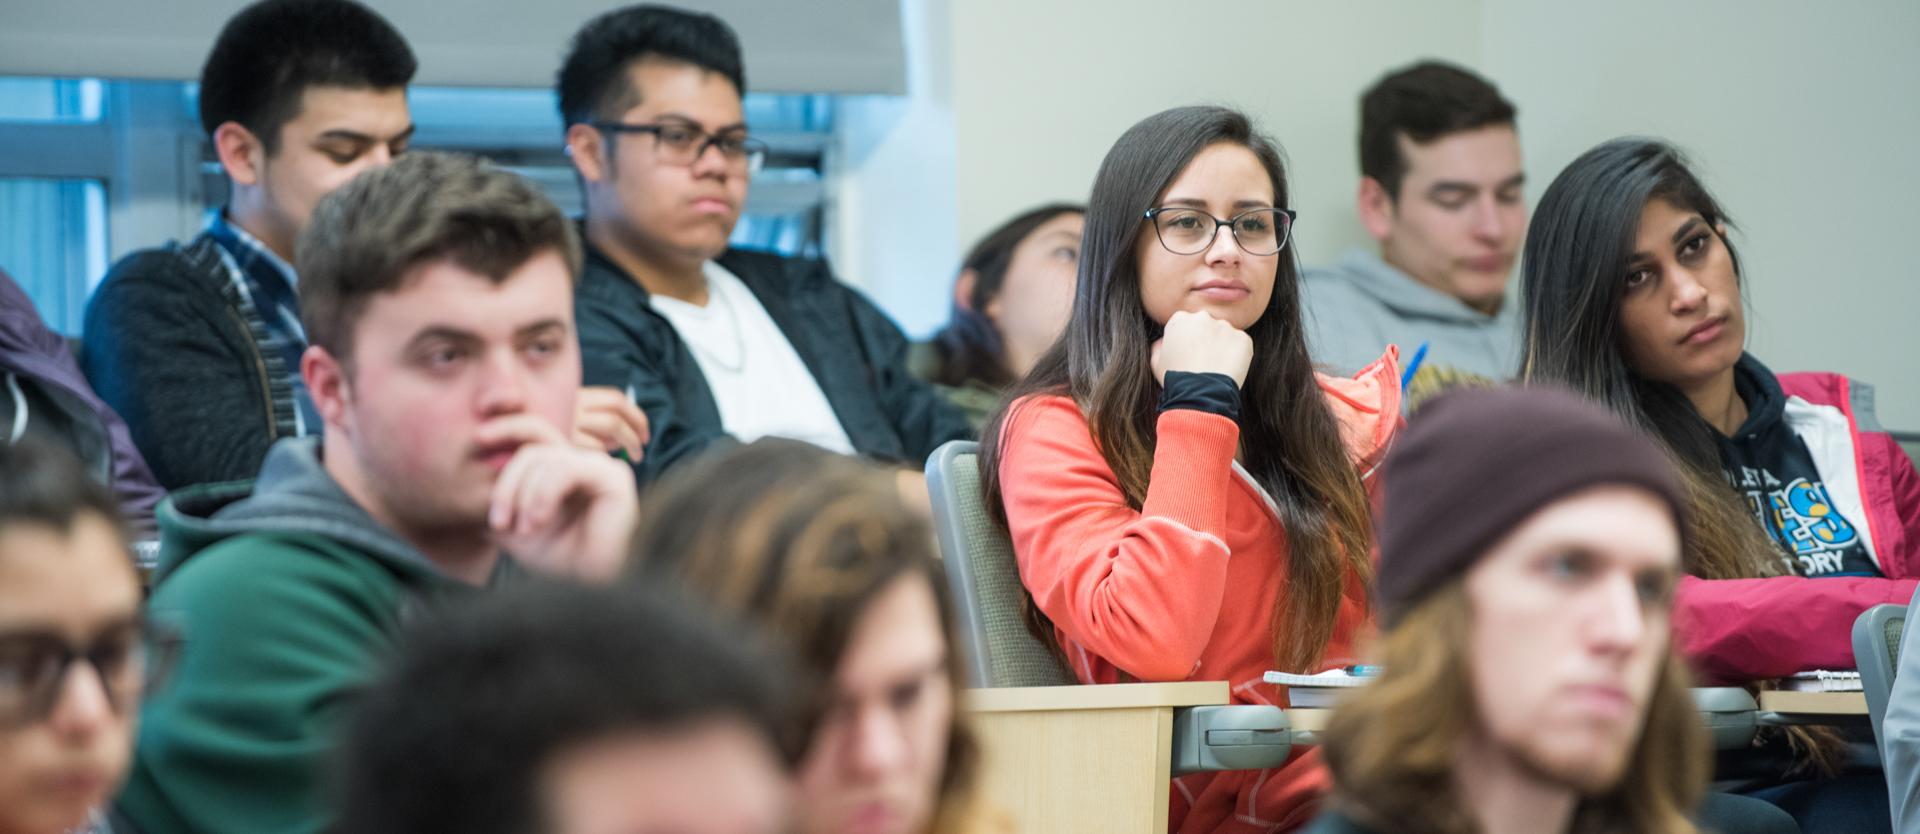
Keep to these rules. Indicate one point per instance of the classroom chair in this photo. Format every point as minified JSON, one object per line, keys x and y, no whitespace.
{"x":1058,"y":751}
{"x":1060,"y":755}
{"x":1876,"y":653}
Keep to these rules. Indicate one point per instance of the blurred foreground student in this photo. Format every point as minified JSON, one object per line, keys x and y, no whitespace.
{"x":558,"y":709}
{"x":820,"y":552}
{"x":1529,"y":545}
{"x":74,"y":648}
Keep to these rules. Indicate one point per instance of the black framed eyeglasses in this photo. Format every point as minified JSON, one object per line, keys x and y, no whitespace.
{"x":129,"y":659}
{"x":1189,"y":231}
{"x":683,"y":144}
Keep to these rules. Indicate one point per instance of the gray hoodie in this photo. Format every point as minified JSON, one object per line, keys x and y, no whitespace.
{"x":1354,"y":309}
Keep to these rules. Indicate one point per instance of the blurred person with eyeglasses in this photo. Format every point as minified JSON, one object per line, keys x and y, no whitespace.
{"x":75,"y":650}
{"x":716,"y":343}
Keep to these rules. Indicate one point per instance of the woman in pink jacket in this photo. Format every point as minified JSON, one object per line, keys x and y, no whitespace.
{"x":1183,"y":492}
{"x":1805,"y":513}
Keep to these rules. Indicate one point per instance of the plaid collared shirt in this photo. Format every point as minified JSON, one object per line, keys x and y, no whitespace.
{"x":268,"y":282}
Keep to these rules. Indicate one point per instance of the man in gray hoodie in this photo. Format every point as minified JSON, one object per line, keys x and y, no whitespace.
{"x":1440,"y":190}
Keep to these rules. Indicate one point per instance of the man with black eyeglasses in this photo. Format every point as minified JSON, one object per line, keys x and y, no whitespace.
{"x":716,"y":343}
{"x":73,"y":646}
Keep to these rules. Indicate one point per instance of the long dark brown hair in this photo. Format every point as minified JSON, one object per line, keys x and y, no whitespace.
{"x":1574,"y":277}
{"x":1574,"y":272}
{"x":969,"y":348}
{"x":1289,"y":440}
{"x":1393,"y":745}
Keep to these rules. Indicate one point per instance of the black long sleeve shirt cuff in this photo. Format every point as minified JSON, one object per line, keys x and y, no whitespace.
{"x":1211,"y":393}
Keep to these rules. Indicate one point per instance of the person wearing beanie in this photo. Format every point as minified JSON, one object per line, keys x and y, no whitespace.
{"x":1529,"y":546}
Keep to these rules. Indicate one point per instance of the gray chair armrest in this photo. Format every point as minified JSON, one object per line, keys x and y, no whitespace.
{"x":1730,"y":713}
{"x":1232,"y":737}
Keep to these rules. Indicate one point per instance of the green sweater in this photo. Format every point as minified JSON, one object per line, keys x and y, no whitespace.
{"x":288,"y":596}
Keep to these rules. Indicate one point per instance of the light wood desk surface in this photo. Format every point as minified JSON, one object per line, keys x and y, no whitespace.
{"x":1814,"y":703}
{"x":1772,"y":700}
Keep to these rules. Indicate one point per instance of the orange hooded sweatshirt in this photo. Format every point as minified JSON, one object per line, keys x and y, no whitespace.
{"x":1185,"y":587}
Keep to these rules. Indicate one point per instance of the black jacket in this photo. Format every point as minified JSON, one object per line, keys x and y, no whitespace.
{"x":175,"y":348}
{"x":856,"y":354}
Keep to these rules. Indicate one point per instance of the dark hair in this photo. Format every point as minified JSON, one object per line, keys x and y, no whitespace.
{"x":368,"y":235}
{"x":1573,"y":276}
{"x":479,"y":698}
{"x":272,"y":51}
{"x":1574,"y":272}
{"x":798,"y":541}
{"x":44,"y":484}
{"x":968,"y":349}
{"x":1290,"y":442}
{"x":593,"y":80}
{"x":1423,"y":102}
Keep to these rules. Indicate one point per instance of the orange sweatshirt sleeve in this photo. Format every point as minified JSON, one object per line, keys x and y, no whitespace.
{"x":1141,"y":588}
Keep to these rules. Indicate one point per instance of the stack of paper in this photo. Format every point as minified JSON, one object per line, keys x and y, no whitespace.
{"x":1821,"y":680}
{"x":1318,"y":691}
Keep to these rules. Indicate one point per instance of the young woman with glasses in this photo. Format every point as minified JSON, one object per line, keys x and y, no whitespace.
{"x":1184,"y":494}
{"x":74,"y":650}
{"x":1804,"y":513}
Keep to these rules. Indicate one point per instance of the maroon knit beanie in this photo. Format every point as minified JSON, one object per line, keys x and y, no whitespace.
{"x":1474,"y":464}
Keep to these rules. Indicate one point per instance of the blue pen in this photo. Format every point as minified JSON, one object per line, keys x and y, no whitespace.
{"x":1413,"y":366}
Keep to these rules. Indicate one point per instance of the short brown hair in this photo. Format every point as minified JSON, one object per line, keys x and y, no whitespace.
{"x":368,"y":236}
{"x":1423,"y":102}
{"x":1392,"y":746}
{"x":271,"y":52}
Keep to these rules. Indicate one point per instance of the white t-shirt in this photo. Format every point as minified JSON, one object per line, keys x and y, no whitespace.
{"x":758,"y":381}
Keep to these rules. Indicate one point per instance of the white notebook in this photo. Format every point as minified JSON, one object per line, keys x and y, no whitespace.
{"x":1821,"y":680}
{"x":1331,"y":677}
{"x":1318,"y":691}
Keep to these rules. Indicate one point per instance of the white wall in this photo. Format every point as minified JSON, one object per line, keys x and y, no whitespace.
{"x":1042,"y":90}
{"x":1803,"y":117}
